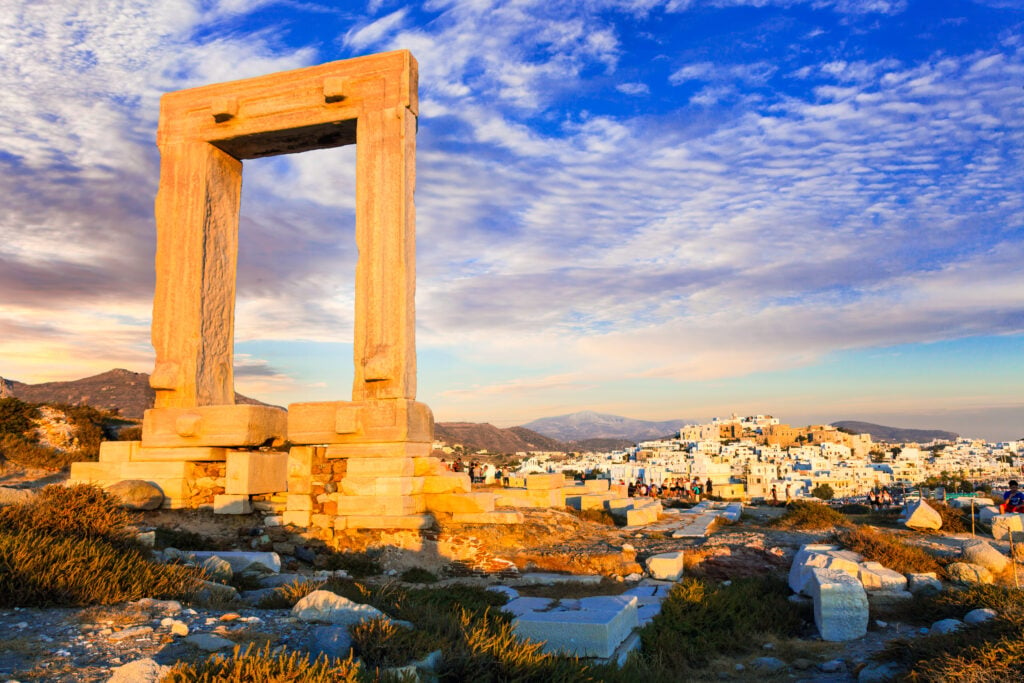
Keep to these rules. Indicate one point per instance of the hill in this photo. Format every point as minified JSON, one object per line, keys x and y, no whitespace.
{"x":895,"y":434}
{"x":127,"y":392}
{"x":475,"y":436}
{"x":591,"y":425}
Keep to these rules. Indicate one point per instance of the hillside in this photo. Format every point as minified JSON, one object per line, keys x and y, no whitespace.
{"x":591,"y":425}
{"x":121,"y":390}
{"x":475,"y":436}
{"x":895,"y":434}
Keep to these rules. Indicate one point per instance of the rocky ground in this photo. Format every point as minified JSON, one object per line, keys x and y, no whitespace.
{"x":90,"y":644}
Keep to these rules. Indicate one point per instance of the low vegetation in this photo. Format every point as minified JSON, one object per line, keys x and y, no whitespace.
{"x":55,"y":546}
{"x":262,"y":664}
{"x":20,"y":444}
{"x":989,"y":652}
{"x":887,"y":549}
{"x":954,"y":520}
{"x":804,"y":515}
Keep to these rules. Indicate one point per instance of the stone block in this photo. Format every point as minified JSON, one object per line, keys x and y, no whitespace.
{"x":595,"y":628}
{"x":242,"y":561}
{"x":876,"y":577}
{"x":460,"y":502}
{"x":380,"y":467}
{"x":977,"y":551}
{"x":253,"y":472}
{"x":596,"y":485}
{"x":427,"y":466}
{"x":303,"y":518}
{"x":231,"y":505}
{"x":299,"y":502}
{"x":840,"y":605}
{"x":926,"y":583}
{"x":381,"y":486}
{"x":177,"y":489}
{"x":373,"y":421}
{"x":618,"y":506}
{"x":544,"y":481}
{"x":191,"y":454}
{"x":158,"y":470}
{"x":90,"y":472}
{"x":421,"y":521}
{"x":410,"y":449}
{"x":496,"y":517}
{"x":117,"y":451}
{"x":800,"y":561}
{"x":592,"y":501}
{"x":531,"y":498}
{"x":986,"y":513}
{"x":642,"y":516}
{"x":213,"y":425}
{"x":451,"y":482}
{"x":666,"y":566}
{"x":380,"y":505}
{"x":1004,"y":525}
{"x":921,"y":515}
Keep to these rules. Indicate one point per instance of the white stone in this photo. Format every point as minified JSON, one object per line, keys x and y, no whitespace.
{"x":986,"y":513}
{"x":1004,"y":525}
{"x":840,"y":605}
{"x":595,"y":628}
{"x":966,"y":573}
{"x":666,"y":566}
{"x":924,"y":583}
{"x":327,"y":607}
{"x":945,"y":626}
{"x":876,"y":577}
{"x":980,"y":616}
{"x":139,"y":671}
{"x":977,"y":551}
{"x":796,"y":578}
{"x":242,"y":561}
{"x":921,"y":515}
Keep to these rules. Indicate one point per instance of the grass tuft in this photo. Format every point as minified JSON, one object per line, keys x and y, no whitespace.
{"x":82,"y":510}
{"x":806,"y":515}
{"x":266,"y":665}
{"x":887,"y":549}
{"x":418,"y":575}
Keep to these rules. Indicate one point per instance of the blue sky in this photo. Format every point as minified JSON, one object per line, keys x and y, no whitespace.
{"x":656,"y":209}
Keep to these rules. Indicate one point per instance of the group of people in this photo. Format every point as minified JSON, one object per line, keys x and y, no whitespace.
{"x":672,"y":488}
{"x":475,"y":470}
{"x":879,"y":499}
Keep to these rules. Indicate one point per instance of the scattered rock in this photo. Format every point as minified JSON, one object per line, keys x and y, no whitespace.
{"x":924,"y":584}
{"x":921,"y":515}
{"x":878,"y":672}
{"x":139,"y":671}
{"x":967,"y":574}
{"x":802,"y":664}
{"x":333,"y":641}
{"x":769,"y":664}
{"x":216,"y":592}
{"x":832,"y":666}
{"x":979,"y":552}
{"x":131,"y":632}
{"x":136,"y":494}
{"x":329,"y":608}
{"x":209,"y":642}
{"x":217,"y":569}
{"x":980,"y":616}
{"x":941,"y":628}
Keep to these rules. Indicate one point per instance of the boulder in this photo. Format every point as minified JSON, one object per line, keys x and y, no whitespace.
{"x":967,"y":574}
{"x":921,"y":515}
{"x":977,"y":551}
{"x":139,"y":671}
{"x":980,"y":616}
{"x":986,"y":513}
{"x":944,"y":626}
{"x":333,"y":641}
{"x":209,"y":642}
{"x":329,"y":608}
{"x":879,"y":672}
{"x":216,"y":592}
{"x":136,"y":494}
{"x":925,"y":584}
{"x":217,"y":569}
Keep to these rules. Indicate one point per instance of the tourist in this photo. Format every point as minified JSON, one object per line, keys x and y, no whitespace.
{"x":775,"y":495}
{"x":886,"y":498}
{"x":1013,"y":499}
{"x":872,"y":499}
{"x":708,"y":487}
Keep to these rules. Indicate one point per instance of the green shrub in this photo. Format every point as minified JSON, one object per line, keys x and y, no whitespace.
{"x":823,"y":491}
{"x":381,"y":644}
{"x":16,"y":416}
{"x":855,"y":509}
{"x":701,"y":620}
{"x":954,"y":520}
{"x":358,"y":564}
{"x":285,"y":597}
{"x":808,"y":515}
{"x":418,"y":575}
{"x":260,"y":665}
{"x":130,"y":434}
{"x":887,"y":549}
{"x":23,"y":451}
{"x":183,"y":539}
{"x":39,"y":569}
{"x":81,"y":510}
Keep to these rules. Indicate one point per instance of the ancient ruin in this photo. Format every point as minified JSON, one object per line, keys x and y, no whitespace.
{"x":362,"y":463}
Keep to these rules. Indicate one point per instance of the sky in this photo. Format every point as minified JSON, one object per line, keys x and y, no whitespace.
{"x":662,"y":209}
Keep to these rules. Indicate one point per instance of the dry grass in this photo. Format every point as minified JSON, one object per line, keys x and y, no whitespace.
{"x":285,"y":597}
{"x":262,"y":665}
{"x":954,"y":520}
{"x":889,"y":550}
{"x":805,"y":515}
{"x":83,"y":511}
{"x":989,"y":652}
{"x":599,"y":516}
{"x":575,"y":590}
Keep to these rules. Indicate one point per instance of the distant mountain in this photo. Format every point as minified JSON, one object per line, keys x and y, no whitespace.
{"x":591,"y":425}
{"x":127,"y":392}
{"x":475,"y":436}
{"x":895,"y":434}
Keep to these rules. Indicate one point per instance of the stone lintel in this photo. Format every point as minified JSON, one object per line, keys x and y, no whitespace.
{"x":360,"y":422}
{"x":232,"y":426}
